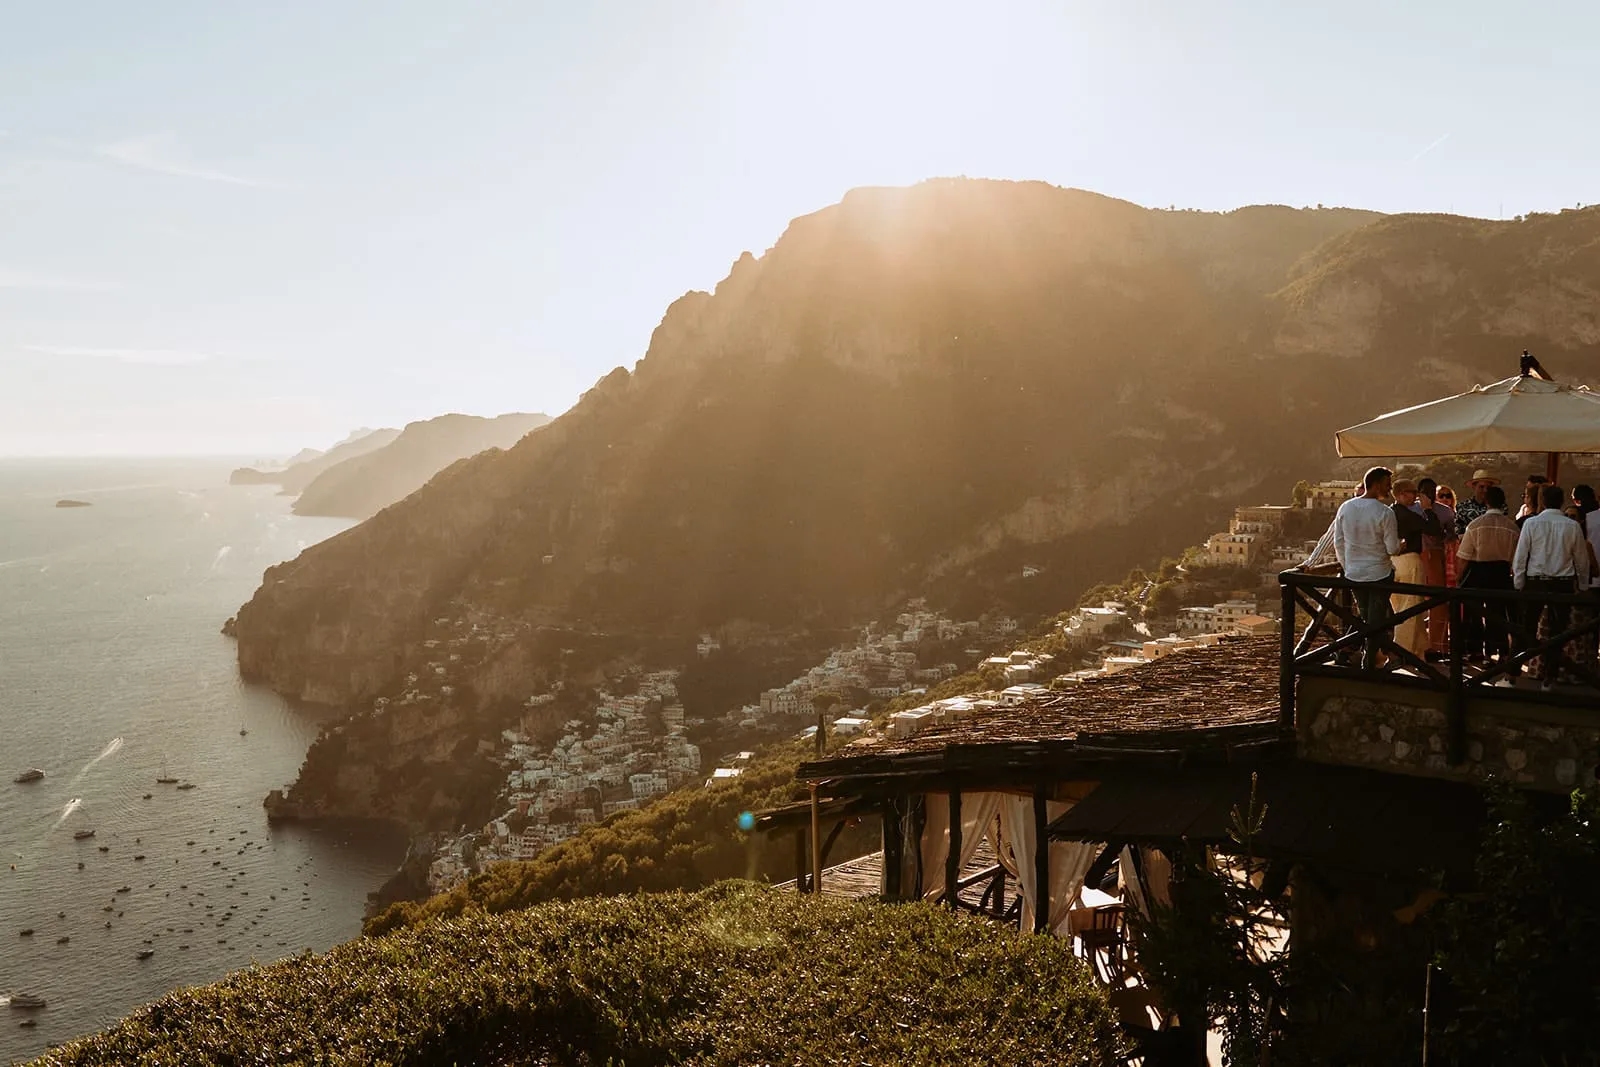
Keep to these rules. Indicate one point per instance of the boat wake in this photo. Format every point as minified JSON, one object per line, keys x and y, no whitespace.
{"x":222,"y":554}
{"x":110,"y":750}
{"x":71,"y":806}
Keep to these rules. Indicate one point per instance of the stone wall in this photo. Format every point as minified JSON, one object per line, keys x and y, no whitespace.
{"x":1371,"y":725}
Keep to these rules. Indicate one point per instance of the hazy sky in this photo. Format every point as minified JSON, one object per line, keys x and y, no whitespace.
{"x":251,"y":227}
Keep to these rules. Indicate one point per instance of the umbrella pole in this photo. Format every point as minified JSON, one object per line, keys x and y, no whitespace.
{"x":1552,"y":467}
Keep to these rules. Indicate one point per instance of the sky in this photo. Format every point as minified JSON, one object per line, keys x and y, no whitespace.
{"x":244,"y":229}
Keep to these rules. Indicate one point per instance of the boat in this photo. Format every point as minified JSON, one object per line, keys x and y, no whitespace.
{"x":139,"y":857}
{"x":105,"y":848}
{"x":62,"y":940}
{"x":126,"y":889}
{"x":26,"y":1001}
{"x":26,"y":931}
{"x":28,"y":1024}
{"x":166,"y":779}
{"x":146,"y":953}
{"x":147,"y":796}
{"x":32,"y":774}
{"x":243,"y":732}
{"x":186,"y":785}
{"x":83,"y":835}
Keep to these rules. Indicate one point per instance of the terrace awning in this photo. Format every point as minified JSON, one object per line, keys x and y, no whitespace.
{"x":1521,"y":414}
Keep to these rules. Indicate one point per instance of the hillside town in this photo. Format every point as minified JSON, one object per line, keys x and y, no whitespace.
{"x":638,"y":747}
{"x":634,"y":747}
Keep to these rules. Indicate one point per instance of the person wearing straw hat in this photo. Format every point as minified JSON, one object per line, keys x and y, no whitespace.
{"x":1477,"y":505}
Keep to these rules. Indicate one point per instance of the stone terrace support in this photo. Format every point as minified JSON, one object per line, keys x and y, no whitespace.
{"x":1406,"y":730}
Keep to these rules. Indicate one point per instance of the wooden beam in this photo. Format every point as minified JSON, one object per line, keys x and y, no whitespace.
{"x":1102,"y":863}
{"x":893,"y":838}
{"x":833,"y":835}
{"x":1041,"y":863}
{"x":801,"y":875}
{"x":952,"y":859}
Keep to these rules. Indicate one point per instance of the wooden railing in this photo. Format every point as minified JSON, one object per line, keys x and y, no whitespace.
{"x":1331,"y":642}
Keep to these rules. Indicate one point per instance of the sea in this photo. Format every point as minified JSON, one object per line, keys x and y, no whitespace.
{"x":113,"y":673}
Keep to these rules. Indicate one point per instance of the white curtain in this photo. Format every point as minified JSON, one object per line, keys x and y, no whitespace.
{"x":1069,"y":860}
{"x":1154,"y":887}
{"x":977,"y":815}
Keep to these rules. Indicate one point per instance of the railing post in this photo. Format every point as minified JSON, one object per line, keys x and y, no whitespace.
{"x":802,"y":875}
{"x":1286,"y":653}
{"x":1456,"y":713}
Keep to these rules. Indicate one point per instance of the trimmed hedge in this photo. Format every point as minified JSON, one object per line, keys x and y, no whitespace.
{"x":733,"y":975}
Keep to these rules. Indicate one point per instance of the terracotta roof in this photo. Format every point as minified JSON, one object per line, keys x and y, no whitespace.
{"x":1189,"y":700}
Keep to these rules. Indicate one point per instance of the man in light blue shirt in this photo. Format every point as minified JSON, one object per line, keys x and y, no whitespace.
{"x":1365,"y":535}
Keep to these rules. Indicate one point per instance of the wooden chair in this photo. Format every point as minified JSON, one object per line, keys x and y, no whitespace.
{"x":1105,"y":933}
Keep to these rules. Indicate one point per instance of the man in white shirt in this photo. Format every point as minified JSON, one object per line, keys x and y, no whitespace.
{"x":1552,"y":557}
{"x":1365,"y":535}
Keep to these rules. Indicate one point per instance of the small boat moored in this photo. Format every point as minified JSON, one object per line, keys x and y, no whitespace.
{"x":26,"y":1002}
{"x":32,"y":774}
{"x":146,"y":953}
{"x":186,"y":785}
{"x":83,"y":835}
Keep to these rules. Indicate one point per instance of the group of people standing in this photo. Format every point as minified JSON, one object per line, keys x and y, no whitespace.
{"x":1413,"y":532}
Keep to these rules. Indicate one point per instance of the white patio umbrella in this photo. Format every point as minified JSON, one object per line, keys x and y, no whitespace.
{"x":1521,"y":414}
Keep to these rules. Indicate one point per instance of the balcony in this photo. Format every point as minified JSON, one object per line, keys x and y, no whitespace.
{"x":1463,"y":717}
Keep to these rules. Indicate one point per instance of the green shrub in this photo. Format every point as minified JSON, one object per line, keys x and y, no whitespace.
{"x":736,"y":974}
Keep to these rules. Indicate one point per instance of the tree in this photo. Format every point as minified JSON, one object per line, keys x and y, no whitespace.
{"x":1301,"y":493}
{"x":1208,"y":953}
{"x":1518,"y":954}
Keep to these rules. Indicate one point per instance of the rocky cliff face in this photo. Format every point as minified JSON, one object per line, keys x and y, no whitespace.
{"x":363,"y":485}
{"x":917,"y":390}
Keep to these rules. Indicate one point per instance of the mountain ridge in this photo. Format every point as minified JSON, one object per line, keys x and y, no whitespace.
{"x":297,"y":475}
{"x":362,"y":485}
{"x":915,"y":391}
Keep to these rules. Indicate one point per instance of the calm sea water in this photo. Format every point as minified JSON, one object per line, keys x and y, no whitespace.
{"x":113,"y":673}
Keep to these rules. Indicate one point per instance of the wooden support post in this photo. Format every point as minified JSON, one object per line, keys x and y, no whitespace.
{"x":816,"y":841}
{"x":893,"y":837}
{"x":919,"y":826}
{"x":1286,"y":656}
{"x":1456,"y":713}
{"x":801,"y":875}
{"x":1041,"y":863}
{"x":952,"y":859}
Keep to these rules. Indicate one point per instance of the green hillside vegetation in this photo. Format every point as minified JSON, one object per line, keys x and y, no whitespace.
{"x":684,"y":840}
{"x":734,"y":975}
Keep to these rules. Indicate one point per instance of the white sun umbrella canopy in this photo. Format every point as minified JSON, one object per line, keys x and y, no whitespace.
{"x":1521,"y":414}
